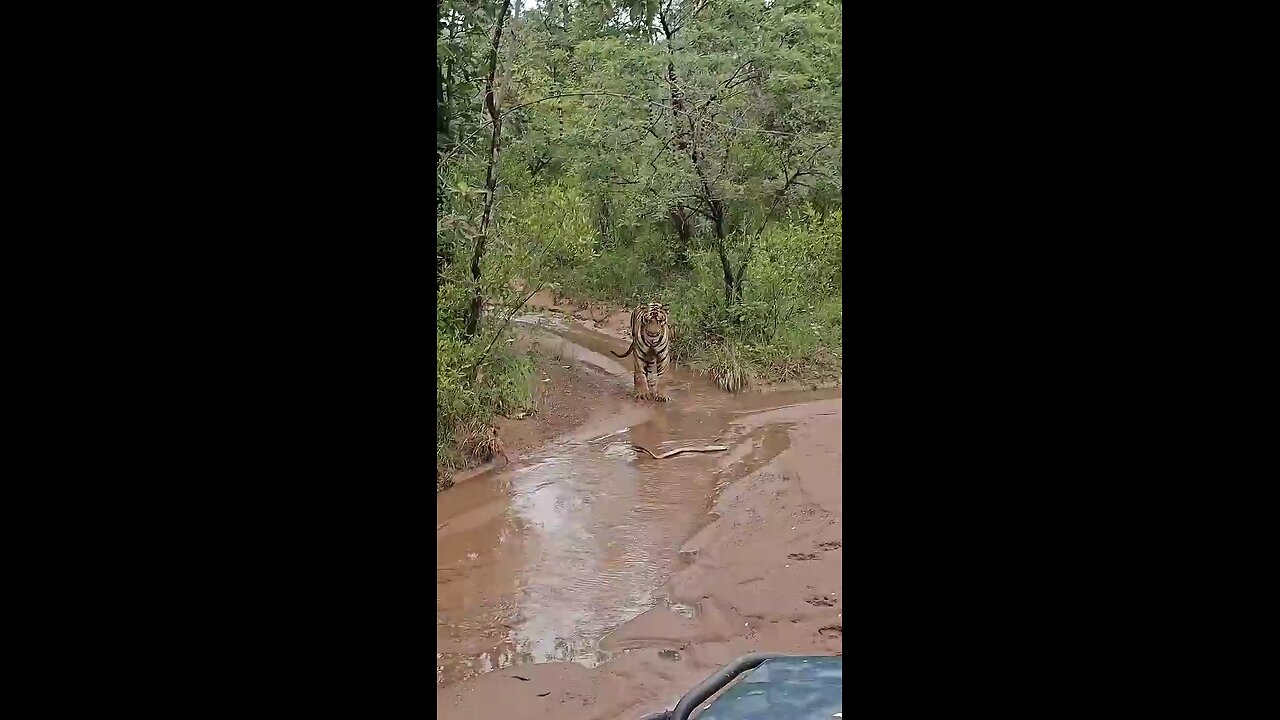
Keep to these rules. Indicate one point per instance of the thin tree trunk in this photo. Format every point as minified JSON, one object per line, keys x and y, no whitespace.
{"x":684,"y":232}
{"x":491,"y":177}
{"x":442,"y":128}
{"x":686,"y":142}
{"x":606,"y":225}
{"x":717,"y":213}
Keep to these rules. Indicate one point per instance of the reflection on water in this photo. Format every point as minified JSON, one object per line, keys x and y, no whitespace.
{"x":537,"y":562}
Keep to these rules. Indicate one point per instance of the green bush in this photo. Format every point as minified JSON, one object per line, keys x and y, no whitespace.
{"x":467,"y":396}
{"x":464,"y":403}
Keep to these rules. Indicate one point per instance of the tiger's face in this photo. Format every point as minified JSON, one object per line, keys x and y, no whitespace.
{"x":652,"y":322}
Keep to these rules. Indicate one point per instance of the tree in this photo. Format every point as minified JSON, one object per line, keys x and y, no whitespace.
{"x":491,"y":178}
{"x":725,"y":110}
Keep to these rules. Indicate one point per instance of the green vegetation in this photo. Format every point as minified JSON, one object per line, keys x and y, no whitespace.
{"x":686,"y":151}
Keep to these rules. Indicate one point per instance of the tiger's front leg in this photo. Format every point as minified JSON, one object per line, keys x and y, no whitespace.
{"x":654,"y":393}
{"x":639,"y":381}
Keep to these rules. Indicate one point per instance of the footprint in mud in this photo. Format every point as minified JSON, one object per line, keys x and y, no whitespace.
{"x":803,"y":556}
{"x":832,"y":631}
{"x":820,"y":602}
{"x":833,"y":545}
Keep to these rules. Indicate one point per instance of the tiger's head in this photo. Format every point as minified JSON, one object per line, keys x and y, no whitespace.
{"x":653,"y":321}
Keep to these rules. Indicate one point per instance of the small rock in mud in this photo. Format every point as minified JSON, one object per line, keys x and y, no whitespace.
{"x":668,"y":654}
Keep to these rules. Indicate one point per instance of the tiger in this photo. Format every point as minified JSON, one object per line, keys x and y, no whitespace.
{"x":651,"y":345}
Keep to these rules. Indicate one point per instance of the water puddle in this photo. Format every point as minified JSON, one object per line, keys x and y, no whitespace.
{"x":540,"y":560}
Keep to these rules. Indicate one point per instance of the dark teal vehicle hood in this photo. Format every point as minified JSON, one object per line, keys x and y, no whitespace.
{"x":793,"y":688}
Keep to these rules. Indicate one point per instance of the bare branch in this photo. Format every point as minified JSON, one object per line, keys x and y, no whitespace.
{"x":698,"y":210}
{"x":735,"y":72}
{"x":476,"y":365}
{"x":466,"y":142}
{"x":802,"y":170}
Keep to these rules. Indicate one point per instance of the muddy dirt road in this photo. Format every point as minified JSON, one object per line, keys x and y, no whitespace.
{"x":586,"y":580}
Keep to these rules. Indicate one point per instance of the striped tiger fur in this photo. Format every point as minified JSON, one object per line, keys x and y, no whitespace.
{"x":651,"y":346}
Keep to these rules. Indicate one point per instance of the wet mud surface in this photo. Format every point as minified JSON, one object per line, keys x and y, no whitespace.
{"x":601,"y":583}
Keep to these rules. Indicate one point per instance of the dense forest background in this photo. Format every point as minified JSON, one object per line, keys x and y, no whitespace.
{"x":682,"y":151}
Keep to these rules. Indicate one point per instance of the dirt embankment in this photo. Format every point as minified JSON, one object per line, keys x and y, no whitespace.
{"x":608,"y":318}
{"x":565,"y":390}
{"x":765,"y":575}
{"x":565,"y":394}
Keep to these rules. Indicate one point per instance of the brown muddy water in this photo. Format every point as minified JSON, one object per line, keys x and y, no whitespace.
{"x":540,"y":560}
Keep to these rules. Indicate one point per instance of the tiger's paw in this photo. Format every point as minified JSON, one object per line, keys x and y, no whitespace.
{"x":661,"y":398}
